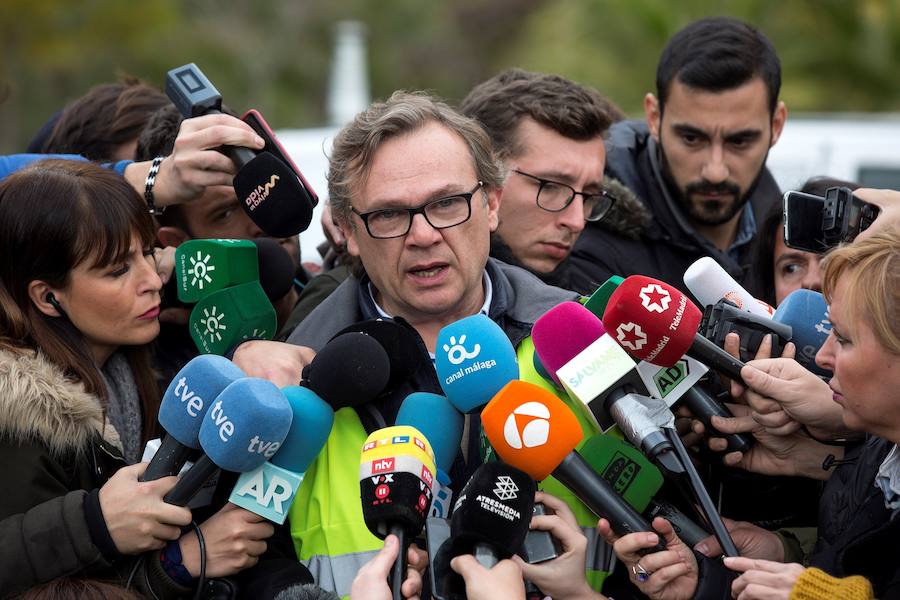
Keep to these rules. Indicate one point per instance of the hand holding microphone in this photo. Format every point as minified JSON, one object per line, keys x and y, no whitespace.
{"x":235,"y":539}
{"x":371,"y":581}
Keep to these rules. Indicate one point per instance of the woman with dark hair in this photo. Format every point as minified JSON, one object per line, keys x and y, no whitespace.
{"x":79,"y":300}
{"x":777,"y":269}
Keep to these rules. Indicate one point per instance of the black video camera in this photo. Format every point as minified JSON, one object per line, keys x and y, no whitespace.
{"x":816,"y":224}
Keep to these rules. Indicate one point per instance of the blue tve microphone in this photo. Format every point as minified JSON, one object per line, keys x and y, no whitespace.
{"x":474,"y":359}
{"x":185,"y":403}
{"x":269,"y":489}
{"x":807,"y":314}
{"x":442,"y":426}
{"x":245,"y":425}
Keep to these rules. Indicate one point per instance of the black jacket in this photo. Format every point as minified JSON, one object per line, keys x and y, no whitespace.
{"x":666,"y":244}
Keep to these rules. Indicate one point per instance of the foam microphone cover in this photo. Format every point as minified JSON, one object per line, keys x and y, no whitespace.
{"x":474,"y":359}
{"x":439,"y":422}
{"x":249,"y":419}
{"x":276,"y":268}
{"x":350,"y":370}
{"x":709,"y":282}
{"x":530,"y":428}
{"x":310,"y":427}
{"x":807,"y":313}
{"x":205,"y":266}
{"x":400,"y":343}
{"x":191,"y":393}
{"x":652,"y":320}
{"x":272,"y":195}
{"x":396,"y":479}
{"x":226,"y":317}
{"x":493,"y":508}
{"x":600,"y":298}
{"x":562,"y":332}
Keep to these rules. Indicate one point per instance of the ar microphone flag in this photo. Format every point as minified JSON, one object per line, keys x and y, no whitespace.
{"x":709,"y":283}
{"x":655,"y":322}
{"x":396,"y":478}
{"x":224,"y":318}
{"x":474,"y":359}
{"x":807,"y":314}
{"x":531,"y":429}
{"x":185,"y":403}
{"x":245,"y":425}
{"x":269,"y":489}
{"x":205,"y":266}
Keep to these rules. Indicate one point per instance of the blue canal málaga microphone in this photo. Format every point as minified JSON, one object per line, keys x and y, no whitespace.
{"x":269,"y":489}
{"x":185,"y":403}
{"x":245,"y":425}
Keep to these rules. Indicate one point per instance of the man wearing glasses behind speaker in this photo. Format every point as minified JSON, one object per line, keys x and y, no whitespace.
{"x":549,"y":133}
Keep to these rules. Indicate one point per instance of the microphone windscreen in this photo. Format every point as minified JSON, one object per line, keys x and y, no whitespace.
{"x":276,"y":268}
{"x":272,"y":195}
{"x":245,"y":425}
{"x":310,"y":426}
{"x":474,"y":359}
{"x":807,"y":313}
{"x":396,"y":480}
{"x":600,"y":298}
{"x":190,"y":394}
{"x":205,"y":266}
{"x":494,"y":508}
{"x":221,"y":320}
{"x":709,"y":282}
{"x":400,"y":344}
{"x":625,"y":467}
{"x":530,"y":428}
{"x":652,"y":320}
{"x":562,"y":332}
{"x":439,"y":422}
{"x":350,"y":370}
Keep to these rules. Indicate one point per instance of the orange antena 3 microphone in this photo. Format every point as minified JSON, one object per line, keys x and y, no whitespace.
{"x":532,"y":430}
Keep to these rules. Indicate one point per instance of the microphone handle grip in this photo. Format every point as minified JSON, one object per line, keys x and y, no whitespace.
{"x":576,"y":474}
{"x":485,"y":555}
{"x":704,"y":406}
{"x":168,"y":460}
{"x":239,"y":155}
{"x":714,"y":357}
{"x":191,"y":482}
{"x":398,"y":570}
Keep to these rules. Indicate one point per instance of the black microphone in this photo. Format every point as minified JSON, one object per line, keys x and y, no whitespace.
{"x":271,"y":192}
{"x":276,"y":268}
{"x":350,"y":370}
{"x":400,"y":343}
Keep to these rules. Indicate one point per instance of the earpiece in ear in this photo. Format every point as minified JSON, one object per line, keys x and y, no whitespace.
{"x":51,"y":299}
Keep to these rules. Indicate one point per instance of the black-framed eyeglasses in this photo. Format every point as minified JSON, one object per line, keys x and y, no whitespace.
{"x":440,"y":213}
{"x":554,"y":196}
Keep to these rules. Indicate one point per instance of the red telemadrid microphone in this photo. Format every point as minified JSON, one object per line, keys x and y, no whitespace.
{"x":657,"y":323}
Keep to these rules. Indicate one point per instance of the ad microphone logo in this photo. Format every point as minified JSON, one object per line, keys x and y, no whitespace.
{"x":536,"y":428}
{"x":457,"y":353}
{"x":506,"y":488}
{"x":654,"y":298}
{"x":631,"y":336}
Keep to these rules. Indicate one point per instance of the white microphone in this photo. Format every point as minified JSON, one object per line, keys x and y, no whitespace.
{"x":709,"y":283}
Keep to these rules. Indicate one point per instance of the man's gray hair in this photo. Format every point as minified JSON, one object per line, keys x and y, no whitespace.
{"x":404,"y":112}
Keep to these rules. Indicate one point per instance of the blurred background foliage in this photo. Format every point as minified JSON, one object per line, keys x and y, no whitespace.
{"x":837,"y":55}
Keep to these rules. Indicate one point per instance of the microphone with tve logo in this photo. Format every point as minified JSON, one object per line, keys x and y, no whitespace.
{"x":181,"y":412}
{"x":474,"y":359}
{"x":442,"y":426}
{"x":245,"y":425}
{"x":396,"y":477}
{"x":269,"y":489}
{"x":807,"y":314}
{"x":531,"y":429}
{"x":273,"y":193}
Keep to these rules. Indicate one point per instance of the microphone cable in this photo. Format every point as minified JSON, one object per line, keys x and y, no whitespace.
{"x":201,"y":579}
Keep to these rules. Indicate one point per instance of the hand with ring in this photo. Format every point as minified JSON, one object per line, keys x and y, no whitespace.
{"x":671,"y":574}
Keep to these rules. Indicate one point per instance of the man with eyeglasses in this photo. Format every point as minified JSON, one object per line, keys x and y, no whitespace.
{"x":549,"y":132}
{"x":415,"y":188}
